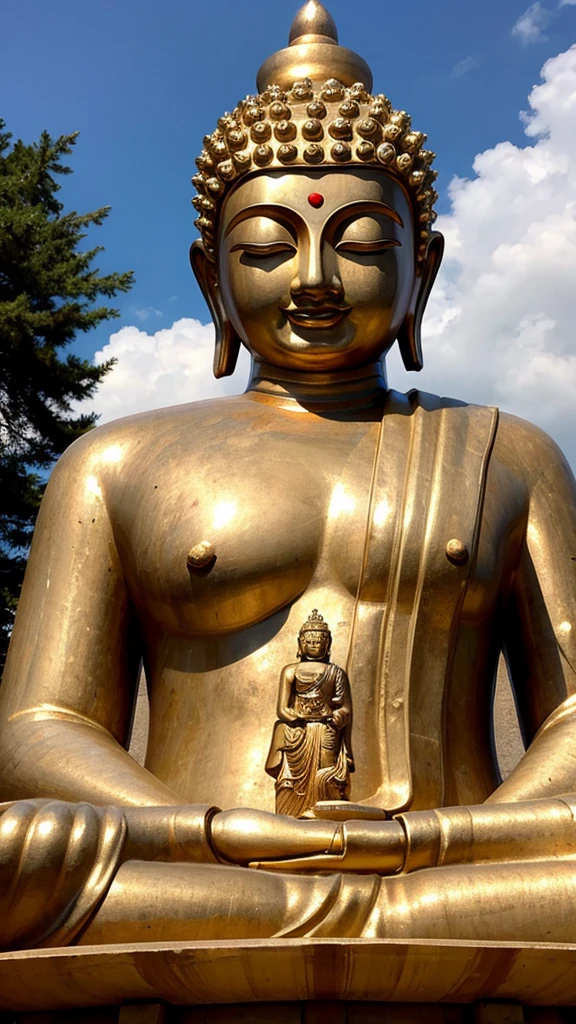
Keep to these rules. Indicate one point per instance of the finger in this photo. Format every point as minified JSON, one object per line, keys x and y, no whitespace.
{"x":320,"y":862}
{"x":365,"y":862}
{"x":370,"y":846}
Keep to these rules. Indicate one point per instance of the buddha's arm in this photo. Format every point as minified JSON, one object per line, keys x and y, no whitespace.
{"x":540,"y":641}
{"x":68,"y":690}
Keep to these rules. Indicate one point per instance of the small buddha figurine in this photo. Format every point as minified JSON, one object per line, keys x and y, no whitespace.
{"x":310,"y":755}
{"x":195,"y":539}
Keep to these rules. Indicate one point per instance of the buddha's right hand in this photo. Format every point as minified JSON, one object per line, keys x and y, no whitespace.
{"x":245,"y":835}
{"x":277,"y":841}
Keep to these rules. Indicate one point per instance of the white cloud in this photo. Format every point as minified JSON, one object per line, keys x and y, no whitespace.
{"x":463,"y":67}
{"x":530,"y":26}
{"x":148,"y":311}
{"x":500,"y":324}
{"x":567,"y":3}
{"x":154,"y":370}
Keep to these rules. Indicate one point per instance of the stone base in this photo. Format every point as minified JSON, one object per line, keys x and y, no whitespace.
{"x":319,"y":1012}
{"x":332,"y":981}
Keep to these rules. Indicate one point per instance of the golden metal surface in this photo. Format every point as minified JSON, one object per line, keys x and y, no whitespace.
{"x":431,"y":533}
{"x":311,"y":752}
{"x":444,"y":972}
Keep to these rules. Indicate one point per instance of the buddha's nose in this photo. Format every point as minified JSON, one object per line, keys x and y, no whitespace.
{"x":317,"y":281}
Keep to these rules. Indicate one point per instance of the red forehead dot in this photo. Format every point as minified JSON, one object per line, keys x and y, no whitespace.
{"x":316,"y":200}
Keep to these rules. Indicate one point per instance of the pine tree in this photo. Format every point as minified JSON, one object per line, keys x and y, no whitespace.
{"x":48,"y":291}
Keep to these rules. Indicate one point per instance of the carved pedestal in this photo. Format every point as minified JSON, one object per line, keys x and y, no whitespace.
{"x":291,"y":981}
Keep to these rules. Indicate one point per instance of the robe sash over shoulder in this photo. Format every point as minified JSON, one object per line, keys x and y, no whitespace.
{"x":438,"y":490}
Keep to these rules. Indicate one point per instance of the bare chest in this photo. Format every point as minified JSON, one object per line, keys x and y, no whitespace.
{"x":277,"y":512}
{"x":287,"y":511}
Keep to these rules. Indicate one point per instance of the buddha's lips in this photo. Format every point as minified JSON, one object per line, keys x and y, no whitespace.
{"x":316,"y":317}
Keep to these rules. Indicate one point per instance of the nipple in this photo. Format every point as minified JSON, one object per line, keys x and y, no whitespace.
{"x":201,"y":557}
{"x":457,"y":552}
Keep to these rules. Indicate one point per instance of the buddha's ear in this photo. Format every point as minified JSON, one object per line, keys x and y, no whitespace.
{"x":409,"y":337}
{"x":227,"y":341}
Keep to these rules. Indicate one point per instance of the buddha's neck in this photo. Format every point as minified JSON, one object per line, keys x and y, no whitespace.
{"x":360,"y":390}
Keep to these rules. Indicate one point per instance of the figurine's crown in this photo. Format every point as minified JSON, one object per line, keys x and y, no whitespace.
{"x":314,"y":109}
{"x":314,"y":624}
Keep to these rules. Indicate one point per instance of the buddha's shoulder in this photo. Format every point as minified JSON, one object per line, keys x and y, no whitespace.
{"x":526,"y":447}
{"x":517,"y":444}
{"x":117,"y":440}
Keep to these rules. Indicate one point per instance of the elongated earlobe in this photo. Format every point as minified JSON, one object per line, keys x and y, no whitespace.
{"x":409,"y":335}
{"x":227,"y":341}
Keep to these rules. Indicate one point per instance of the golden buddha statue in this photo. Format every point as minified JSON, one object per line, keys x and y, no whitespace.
{"x":432,"y":535}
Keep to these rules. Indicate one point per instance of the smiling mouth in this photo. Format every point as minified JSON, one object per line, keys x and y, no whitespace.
{"x":316,"y":317}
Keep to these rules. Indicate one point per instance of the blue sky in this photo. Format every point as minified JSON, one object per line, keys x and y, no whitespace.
{"x":144,"y":81}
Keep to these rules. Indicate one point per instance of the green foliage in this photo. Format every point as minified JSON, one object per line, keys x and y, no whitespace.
{"x":48,"y":293}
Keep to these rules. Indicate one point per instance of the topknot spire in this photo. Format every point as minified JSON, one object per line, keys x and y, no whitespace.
{"x":313,"y":20}
{"x":313,"y":52}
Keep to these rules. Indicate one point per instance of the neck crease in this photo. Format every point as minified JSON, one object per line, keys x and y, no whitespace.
{"x":363,"y":389}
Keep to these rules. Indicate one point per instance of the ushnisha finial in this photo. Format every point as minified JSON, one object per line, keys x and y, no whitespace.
{"x":313,"y":53}
{"x":313,"y":23}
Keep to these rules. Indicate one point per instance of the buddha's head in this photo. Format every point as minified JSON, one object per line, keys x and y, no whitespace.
{"x":315,"y":203}
{"x":314,"y":638}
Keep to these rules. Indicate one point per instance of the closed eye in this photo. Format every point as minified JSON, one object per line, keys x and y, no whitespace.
{"x":265,"y":249}
{"x":376,"y":245}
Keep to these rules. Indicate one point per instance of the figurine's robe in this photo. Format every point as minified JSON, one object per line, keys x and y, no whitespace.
{"x":298,"y":750}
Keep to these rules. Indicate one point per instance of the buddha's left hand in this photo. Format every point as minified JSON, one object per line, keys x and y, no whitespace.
{"x":279,"y":842}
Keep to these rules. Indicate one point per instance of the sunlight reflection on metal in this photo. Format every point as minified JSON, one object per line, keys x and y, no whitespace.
{"x":113,"y":453}
{"x":382,"y":512}
{"x":224,"y":513}
{"x":93,"y":487}
{"x":340,"y":502}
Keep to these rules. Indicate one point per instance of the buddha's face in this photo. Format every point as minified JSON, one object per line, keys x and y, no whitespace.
{"x":316,"y":267}
{"x":314,"y":645}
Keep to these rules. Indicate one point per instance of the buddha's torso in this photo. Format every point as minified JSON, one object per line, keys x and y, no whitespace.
{"x":284,"y":496}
